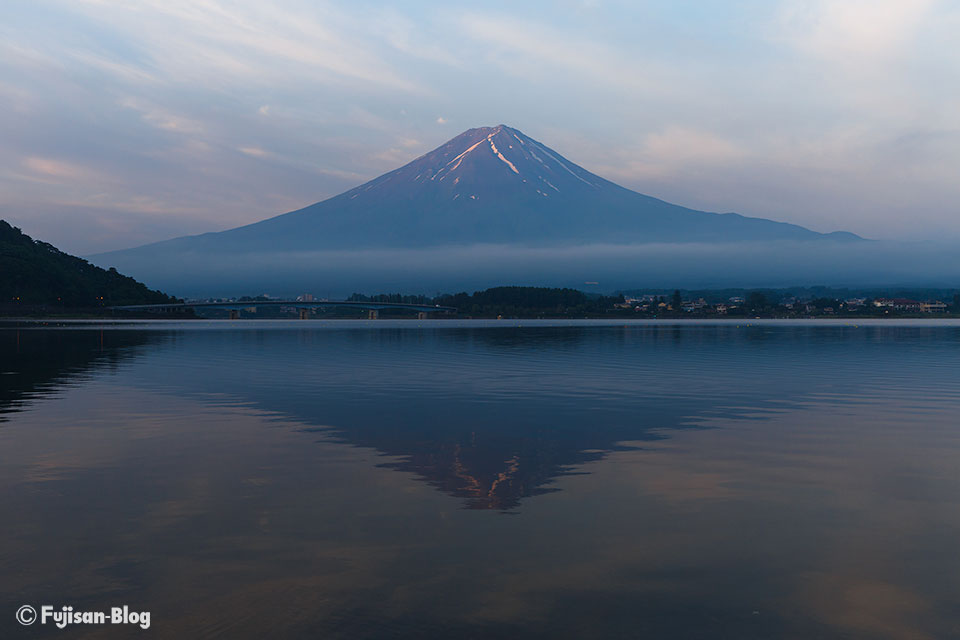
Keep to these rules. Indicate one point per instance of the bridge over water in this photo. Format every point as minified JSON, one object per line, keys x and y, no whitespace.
{"x":302,"y":306}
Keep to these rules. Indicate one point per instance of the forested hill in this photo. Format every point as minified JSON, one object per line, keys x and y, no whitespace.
{"x":34,"y":274}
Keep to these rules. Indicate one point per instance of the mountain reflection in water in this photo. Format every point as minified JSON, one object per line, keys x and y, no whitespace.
{"x":493,"y":415}
{"x":667,"y":480}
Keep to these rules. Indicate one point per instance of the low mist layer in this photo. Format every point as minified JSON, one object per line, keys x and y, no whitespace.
{"x":606,"y":267}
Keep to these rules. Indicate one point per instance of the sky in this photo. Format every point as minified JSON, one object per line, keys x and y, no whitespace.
{"x":124,"y":123}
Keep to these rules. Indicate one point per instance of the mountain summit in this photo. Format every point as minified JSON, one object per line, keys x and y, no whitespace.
{"x":493,"y":163}
{"x":491,"y":185}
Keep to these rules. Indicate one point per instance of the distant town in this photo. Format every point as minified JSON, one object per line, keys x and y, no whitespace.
{"x":758,"y":303}
{"x":543,"y":302}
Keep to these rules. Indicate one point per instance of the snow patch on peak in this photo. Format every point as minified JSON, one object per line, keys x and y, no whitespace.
{"x":549,"y":183}
{"x":569,"y":170}
{"x":458,"y":160}
{"x":500,"y":155}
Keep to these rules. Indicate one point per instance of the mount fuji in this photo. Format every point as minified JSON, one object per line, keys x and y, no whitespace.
{"x":490,"y":186}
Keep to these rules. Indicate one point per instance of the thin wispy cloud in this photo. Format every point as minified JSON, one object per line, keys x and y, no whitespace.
{"x":161,"y":118}
{"x":256,"y":152}
{"x":854,"y":31}
{"x":53,"y":169}
{"x":255,"y":42}
{"x":534,"y":51}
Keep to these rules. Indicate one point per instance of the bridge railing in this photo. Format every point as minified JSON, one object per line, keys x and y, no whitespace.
{"x":236,"y":305}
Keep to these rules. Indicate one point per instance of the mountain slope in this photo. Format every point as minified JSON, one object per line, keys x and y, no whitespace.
{"x":36,"y":274}
{"x":487,"y":185}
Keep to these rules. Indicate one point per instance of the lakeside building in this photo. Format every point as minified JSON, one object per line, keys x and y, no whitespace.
{"x":899,"y":304}
{"x":933,"y":307}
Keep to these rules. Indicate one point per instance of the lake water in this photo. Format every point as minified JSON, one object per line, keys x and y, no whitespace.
{"x":484,"y":479}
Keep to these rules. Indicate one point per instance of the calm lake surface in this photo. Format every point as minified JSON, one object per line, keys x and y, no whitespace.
{"x":484,"y":479}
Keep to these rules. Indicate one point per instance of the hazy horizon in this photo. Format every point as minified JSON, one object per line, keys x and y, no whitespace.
{"x":601,"y":268}
{"x":129,"y":124}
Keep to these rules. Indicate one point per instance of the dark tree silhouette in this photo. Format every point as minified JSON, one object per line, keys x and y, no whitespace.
{"x":34,"y":274}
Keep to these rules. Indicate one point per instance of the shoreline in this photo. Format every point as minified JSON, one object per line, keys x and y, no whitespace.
{"x":294,"y":323}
